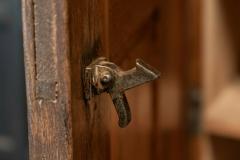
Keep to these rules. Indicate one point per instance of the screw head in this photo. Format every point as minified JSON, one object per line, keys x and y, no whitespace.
{"x":106,"y":78}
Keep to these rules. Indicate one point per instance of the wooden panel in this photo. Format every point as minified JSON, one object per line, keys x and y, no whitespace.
{"x":159,"y":35}
{"x":193,"y":77}
{"x":87,"y":29}
{"x":130,"y":22}
{"x":61,"y":38}
{"x":132,"y":34}
{"x":171,"y":95}
{"x":134,"y":142}
{"x":49,"y":116}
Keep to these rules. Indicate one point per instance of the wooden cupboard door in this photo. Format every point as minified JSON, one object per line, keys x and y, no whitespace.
{"x":61,"y":38}
{"x":121,"y":31}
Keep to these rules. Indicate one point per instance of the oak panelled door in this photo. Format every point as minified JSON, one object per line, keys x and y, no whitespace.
{"x":62,"y":37}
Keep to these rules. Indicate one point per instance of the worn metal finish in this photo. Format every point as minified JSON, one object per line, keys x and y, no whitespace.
{"x":104,"y":76}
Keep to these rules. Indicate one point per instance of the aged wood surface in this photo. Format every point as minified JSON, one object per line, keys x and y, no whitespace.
{"x":87,"y":30}
{"x":47,"y":75}
{"x":131,"y":22}
{"x":61,"y":38}
{"x":132,"y":34}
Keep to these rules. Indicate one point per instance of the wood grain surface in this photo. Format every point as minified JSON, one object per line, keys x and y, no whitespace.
{"x":47,"y":75}
{"x":62,"y":37}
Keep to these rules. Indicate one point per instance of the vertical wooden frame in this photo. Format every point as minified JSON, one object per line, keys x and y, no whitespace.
{"x":47,"y":75}
{"x":60,"y":38}
{"x":87,"y":32}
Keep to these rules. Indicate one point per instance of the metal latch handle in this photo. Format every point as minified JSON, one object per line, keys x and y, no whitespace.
{"x":104,"y":76}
